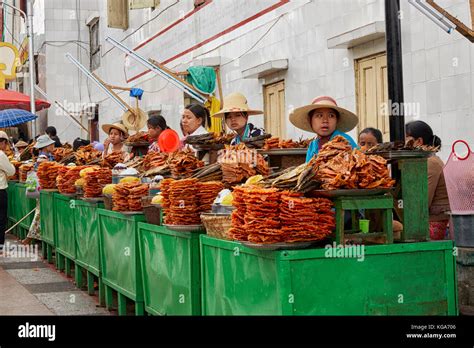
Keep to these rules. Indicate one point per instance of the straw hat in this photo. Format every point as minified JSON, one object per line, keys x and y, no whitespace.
{"x":107,"y":127}
{"x":300,"y":116}
{"x":21,"y":143}
{"x":236,"y":102}
{"x":3,"y":135}
{"x":43,"y":141}
{"x":133,"y":122}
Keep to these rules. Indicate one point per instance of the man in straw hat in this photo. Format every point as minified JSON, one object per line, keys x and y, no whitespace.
{"x":236,"y":113}
{"x":6,"y":169}
{"x":21,"y":146}
{"x":115,"y":142}
{"x":325,"y":118}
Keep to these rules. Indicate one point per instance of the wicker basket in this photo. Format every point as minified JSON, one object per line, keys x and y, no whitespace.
{"x":217,"y":225}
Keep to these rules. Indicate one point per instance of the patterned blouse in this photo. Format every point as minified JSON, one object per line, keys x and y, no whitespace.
{"x":250,"y":132}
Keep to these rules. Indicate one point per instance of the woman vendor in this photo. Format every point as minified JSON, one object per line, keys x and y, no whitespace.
{"x":325,"y":118}
{"x":156,"y":125}
{"x":438,"y":202}
{"x":45,"y":146}
{"x":236,"y":113}
{"x":115,"y":142}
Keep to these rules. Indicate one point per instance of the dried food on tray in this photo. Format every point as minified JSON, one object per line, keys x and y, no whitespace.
{"x":208,"y":192}
{"x":154,"y":159}
{"x":139,"y":137}
{"x":401,"y":146}
{"x":62,"y":152}
{"x":182,"y":164}
{"x":67,"y":178}
{"x":87,"y":155}
{"x":277,"y":143}
{"x":24,"y":170}
{"x":111,"y":160}
{"x":128,"y":196}
{"x":47,"y":173}
{"x":95,"y":180}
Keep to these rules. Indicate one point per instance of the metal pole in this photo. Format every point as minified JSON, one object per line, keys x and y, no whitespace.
{"x":395,"y":69}
{"x":31,"y":58}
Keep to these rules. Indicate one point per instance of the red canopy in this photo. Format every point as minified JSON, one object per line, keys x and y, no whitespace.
{"x":16,"y":100}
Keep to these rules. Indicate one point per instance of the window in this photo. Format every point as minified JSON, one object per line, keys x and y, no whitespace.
{"x":138,"y":4}
{"x":372,"y":93}
{"x":274,"y":101}
{"x":94,"y":44}
{"x":117,"y":14}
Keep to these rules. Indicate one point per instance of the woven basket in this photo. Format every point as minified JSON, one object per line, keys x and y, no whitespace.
{"x":217,"y":225}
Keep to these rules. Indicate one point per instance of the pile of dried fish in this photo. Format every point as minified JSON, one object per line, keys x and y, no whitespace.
{"x":113,"y":159}
{"x":257,"y":142}
{"x":209,"y":139}
{"x":300,"y":178}
{"x":138,"y":139}
{"x":277,"y":143}
{"x":61,"y":152}
{"x":182,"y":164}
{"x":154,"y":159}
{"x":211,"y":172}
{"x":400,"y":145}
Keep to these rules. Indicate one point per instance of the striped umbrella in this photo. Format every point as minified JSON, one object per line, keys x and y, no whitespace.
{"x":14,"y":117}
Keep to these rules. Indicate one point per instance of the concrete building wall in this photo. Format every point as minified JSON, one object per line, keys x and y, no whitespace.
{"x":274,"y":29}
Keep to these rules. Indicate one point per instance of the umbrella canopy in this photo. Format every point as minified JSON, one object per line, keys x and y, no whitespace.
{"x":16,"y":100}
{"x":14,"y":117}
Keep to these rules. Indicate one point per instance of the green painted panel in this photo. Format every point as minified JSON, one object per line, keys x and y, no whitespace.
{"x":87,"y":235}
{"x":238,"y":282}
{"x":171,"y":272}
{"x":414,"y":181}
{"x":65,"y":225}
{"x":119,"y":261}
{"x":47,"y":217}
{"x":396,"y":279}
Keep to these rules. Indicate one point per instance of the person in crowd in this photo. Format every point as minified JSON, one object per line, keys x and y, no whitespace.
{"x":6,"y":169}
{"x":78,"y":142}
{"x":156,"y":125}
{"x":325,"y":118}
{"x":52,"y":133}
{"x":438,"y":201}
{"x":115,"y":142}
{"x":195,"y":119}
{"x":21,"y":146}
{"x":45,"y":146}
{"x":369,"y":137}
{"x":236,"y":113}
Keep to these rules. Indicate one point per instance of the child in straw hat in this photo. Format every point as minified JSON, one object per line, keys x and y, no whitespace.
{"x":236,"y":113}
{"x":325,"y":118}
{"x":115,"y":142}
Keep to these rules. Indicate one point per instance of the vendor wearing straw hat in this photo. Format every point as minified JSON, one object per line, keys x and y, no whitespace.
{"x":21,"y":146}
{"x":236,"y":113}
{"x":325,"y":118}
{"x":117,"y":136}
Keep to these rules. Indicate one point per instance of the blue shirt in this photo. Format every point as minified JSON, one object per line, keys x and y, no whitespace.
{"x":313,"y":148}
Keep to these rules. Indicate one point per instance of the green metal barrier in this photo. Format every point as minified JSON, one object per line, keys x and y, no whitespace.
{"x":87,"y":246}
{"x":64,"y":232}
{"x":47,"y":223}
{"x":171,"y":272}
{"x":119,"y":261}
{"x":396,"y":279}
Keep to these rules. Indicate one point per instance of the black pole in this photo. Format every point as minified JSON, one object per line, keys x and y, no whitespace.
{"x":395,"y":69}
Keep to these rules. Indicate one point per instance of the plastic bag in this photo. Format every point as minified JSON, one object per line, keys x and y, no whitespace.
{"x":32,"y":185}
{"x":459,"y":177}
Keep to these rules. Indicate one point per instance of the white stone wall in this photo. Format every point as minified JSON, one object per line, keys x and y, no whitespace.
{"x":297,"y":31}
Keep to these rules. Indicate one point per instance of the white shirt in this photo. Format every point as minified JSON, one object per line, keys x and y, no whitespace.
{"x":6,"y":169}
{"x":200,"y":131}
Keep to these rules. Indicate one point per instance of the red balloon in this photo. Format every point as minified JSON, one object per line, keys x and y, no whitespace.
{"x":169,"y":141}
